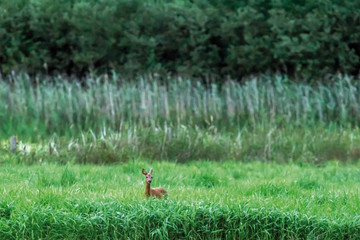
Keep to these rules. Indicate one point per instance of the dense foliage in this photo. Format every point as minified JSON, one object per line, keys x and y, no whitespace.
{"x":198,"y":38}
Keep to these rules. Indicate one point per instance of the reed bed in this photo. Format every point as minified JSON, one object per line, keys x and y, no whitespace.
{"x":56,"y":105}
{"x":181,"y":144}
{"x":266,"y":119}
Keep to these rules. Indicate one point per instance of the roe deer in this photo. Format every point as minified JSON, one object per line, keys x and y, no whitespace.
{"x":154,"y":192}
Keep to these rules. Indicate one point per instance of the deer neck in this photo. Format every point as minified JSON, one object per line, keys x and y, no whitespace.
{"x":147,"y":189}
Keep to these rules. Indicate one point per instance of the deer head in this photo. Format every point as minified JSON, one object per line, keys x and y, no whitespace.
{"x":148,"y":176}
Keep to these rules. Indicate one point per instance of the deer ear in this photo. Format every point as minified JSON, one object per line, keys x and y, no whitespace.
{"x":151,"y":171}
{"x":144,"y":172}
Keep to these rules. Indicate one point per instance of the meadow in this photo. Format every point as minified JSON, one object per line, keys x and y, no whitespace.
{"x":206,"y":200}
{"x":267,"y":159}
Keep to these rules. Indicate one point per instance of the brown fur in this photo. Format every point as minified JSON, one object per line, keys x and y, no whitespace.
{"x":153,"y":192}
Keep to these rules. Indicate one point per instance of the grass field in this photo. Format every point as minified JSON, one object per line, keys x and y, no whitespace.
{"x":206,"y":200}
{"x":268,"y":159}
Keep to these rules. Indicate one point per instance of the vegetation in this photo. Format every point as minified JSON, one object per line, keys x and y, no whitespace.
{"x":105,"y":102}
{"x":265,"y":119}
{"x":206,"y":200}
{"x":241,"y":157}
{"x":77,"y":171}
{"x":201,"y":38}
{"x":57,"y":106}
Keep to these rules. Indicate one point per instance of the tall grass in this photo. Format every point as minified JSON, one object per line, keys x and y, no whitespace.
{"x":107,"y":120}
{"x":169,"y":220}
{"x":66,"y":108}
{"x":206,"y":200}
{"x":182,"y":144}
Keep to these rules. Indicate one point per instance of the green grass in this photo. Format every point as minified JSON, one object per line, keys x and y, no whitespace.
{"x":206,"y":200}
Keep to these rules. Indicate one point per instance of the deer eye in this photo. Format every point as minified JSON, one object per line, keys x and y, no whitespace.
{"x":146,"y":176}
